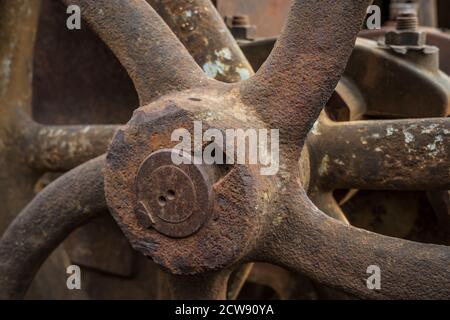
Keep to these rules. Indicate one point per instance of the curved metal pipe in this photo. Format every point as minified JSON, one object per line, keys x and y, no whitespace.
{"x":63,"y":206}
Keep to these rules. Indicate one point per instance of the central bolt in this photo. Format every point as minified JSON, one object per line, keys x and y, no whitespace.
{"x":175,"y":198}
{"x":160,"y":195}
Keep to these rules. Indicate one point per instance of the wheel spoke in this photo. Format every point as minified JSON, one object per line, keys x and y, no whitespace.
{"x":62,"y":148}
{"x":381,"y":155}
{"x":338,"y":255}
{"x":64,"y":205}
{"x":152,"y":55}
{"x":203,"y":32}
{"x":304,"y":68}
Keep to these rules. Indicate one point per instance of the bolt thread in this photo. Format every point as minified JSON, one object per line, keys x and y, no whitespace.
{"x":407,"y":22}
{"x":398,"y":7}
{"x":240,"y":21}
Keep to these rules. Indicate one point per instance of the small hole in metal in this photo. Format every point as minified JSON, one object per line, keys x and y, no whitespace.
{"x":162,"y":201}
{"x":171,"y":195}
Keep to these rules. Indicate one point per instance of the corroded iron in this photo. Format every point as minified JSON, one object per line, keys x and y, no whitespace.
{"x":381,"y":155}
{"x":175,"y":199}
{"x":249,"y":217}
{"x":203,"y":32}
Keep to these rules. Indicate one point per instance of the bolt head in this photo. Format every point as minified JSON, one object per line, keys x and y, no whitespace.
{"x":176,"y":198}
{"x":406,"y":38}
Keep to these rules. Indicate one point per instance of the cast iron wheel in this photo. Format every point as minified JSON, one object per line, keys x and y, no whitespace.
{"x":238,"y":215}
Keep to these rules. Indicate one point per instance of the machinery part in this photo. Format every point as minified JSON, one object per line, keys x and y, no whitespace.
{"x":411,"y":76}
{"x":179,"y":196}
{"x":406,"y":33}
{"x":258,"y":218}
{"x":381,"y":155}
{"x":240,"y":27}
{"x":432,"y":36}
{"x":203,"y":32}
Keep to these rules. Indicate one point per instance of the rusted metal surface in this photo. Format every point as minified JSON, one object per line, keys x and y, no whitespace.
{"x":396,"y":154}
{"x":401,"y":214}
{"x":144,"y":125}
{"x":334,"y":243}
{"x":300,"y":58}
{"x":66,"y":204}
{"x":408,"y":99}
{"x":435,"y":37}
{"x":61,"y":148}
{"x":257,"y":51}
{"x":280,"y":280}
{"x":200,"y":287}
{"x":203,"y":32}
{"x":249,"y":217}
{"x":175,"y":200}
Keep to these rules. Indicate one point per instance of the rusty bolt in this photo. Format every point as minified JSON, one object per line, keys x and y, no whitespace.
{"x":240,"y":21}
{"x":173,"y":199}
{"x":407,"y":33}
{"x":408,"y":21}
{"x":407,"y":39}
{"x":398,"y":7}
{"x":240,"y":27}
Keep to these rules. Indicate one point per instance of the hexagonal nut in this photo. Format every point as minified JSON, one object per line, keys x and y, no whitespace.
{"x":406,"y":38}
{"x":243,"y":32}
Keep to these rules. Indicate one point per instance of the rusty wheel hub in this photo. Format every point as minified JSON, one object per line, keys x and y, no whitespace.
{"x":187,"y":217}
